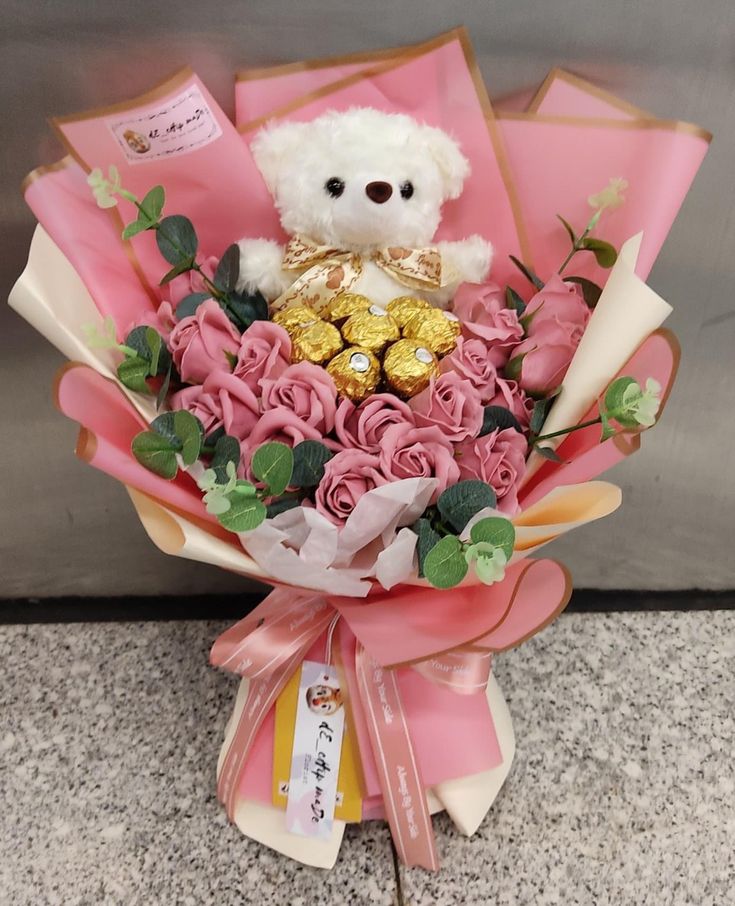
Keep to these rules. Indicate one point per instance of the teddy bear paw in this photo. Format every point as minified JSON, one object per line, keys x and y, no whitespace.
{"x":261,"y":268}
{"x":470,"y":257}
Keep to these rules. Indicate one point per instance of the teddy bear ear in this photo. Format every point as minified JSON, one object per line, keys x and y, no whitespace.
{"x":273,"y":148}
{"x":453,"y":165}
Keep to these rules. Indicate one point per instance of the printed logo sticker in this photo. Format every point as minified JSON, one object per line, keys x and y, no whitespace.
{"x":181,"y":125}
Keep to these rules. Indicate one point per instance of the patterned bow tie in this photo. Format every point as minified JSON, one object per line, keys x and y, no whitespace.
{"x":329,"y":271}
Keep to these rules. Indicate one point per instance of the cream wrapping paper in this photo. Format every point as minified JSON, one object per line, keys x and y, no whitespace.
{"x":627,"y":312}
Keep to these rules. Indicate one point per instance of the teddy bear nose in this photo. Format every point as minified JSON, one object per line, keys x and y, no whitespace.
{"x":379,"y":192}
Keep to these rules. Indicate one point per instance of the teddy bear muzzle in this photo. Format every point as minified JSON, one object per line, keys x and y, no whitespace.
{"x":379,"y":192}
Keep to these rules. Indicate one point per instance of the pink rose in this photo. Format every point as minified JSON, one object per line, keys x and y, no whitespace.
{"x":557,"y":317}
{"x":510,"y":396}
{"x":265,"y":352}
{"x":283,"y":426}
{"x":362,"y":427}
{"x":191,"y":281}
{"x":451,"y":404}
{"x":418,"y":453}
{"x":200,"y":343}
{"x":222,"y":401}
{"x":472,"y":361}
{"x":348,"y":476}
{"x":499,"y":459}
{"x":482,"y":310}
{"x":306,"y":390}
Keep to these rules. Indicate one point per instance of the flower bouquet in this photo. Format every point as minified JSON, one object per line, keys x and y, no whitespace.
{"x":351,"y":348}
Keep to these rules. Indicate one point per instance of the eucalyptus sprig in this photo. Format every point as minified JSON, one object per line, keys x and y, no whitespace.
{"x":444,"y":559}
{"x":178,"y":244}
{"x":625,"y":403}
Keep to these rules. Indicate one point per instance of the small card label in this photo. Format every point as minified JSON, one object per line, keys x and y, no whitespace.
{"x":182,"y":124}
{"x":320,"y":721}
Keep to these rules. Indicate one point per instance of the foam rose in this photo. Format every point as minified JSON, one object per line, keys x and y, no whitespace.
{"x":418,"y":453}
{"x":482,"y":310}
{"x":362,"y":427}
{"x":265,"y":353}
{"x":510,"y":396}
{"x":557,"y":317}
{"x":451,"y":404}
{"x":308,"y":391}
{"x":201,"y":343}
{"x":222,"y":401}
{"x":472,"y":361}
{"x":348,"y":476}
{"x":499,"y":459}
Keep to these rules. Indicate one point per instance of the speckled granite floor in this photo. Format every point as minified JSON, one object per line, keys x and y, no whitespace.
{"x":623,"y":789}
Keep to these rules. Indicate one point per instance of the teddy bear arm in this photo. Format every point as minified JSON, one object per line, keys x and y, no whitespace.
{"x":470,"y":258}
{"x":261,"y":268}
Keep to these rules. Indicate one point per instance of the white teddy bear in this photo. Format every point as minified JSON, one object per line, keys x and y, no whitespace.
{"x":360,"y":193}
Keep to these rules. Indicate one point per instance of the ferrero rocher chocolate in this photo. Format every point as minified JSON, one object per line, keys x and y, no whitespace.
{"x":436,"y":329}
{"x":409,"y":366}
{"x":346,"y":304}
{"x":372,"y":329}
{"x":316,"y":343}
{"x":356,"y":373}
{"x":296,"y":318}
{"x":402,"y":308}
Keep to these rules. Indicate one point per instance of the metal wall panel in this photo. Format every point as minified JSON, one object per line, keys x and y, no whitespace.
{"x":65,"y":529}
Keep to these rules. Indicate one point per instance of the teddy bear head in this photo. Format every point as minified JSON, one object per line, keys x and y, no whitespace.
{"x":360,"y":179}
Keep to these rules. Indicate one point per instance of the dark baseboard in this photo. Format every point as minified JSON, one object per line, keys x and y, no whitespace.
{"x":233,"y":607}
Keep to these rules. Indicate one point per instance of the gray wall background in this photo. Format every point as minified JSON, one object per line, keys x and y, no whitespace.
{"x":67,"y":529}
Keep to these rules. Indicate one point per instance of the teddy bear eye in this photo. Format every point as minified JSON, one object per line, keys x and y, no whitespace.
{"x":335,"y":186}
{"x":406,"y":189}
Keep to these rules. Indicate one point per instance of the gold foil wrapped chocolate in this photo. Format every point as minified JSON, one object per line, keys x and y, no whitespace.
{"x":317,"y":343}
{"x":438,"y":330}
{"x":408,"y":366}
{"x":355,"y":372}
{"x":373,"y":329}
{"x":403,"y":308}
{"x":296,"y":318}
{"x":345,"y":305}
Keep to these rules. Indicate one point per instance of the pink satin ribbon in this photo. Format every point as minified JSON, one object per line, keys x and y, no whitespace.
{"x":267,"y":647}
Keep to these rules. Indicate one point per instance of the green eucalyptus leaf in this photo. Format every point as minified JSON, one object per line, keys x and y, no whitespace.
{"x":163,"y":390}
{"x":272,"y":464}
{"x":309,"y":459}
{"x":541,"y":410}
{"x":137,"y":226}
{"x":133,"y":373}
{"x":514,"y":366}
{"x":244,"y":514}
{"x":527,"y":272}
{"x":496,"y":531}
{"x":181,"y":268}
{"x":156,"y":453}
{"x":500,"y":418}
{"x":153,"y":202}
{"x":242,"y":309}
{"x":591,"y":292}
{"x":189,"y":304}
{"x":176,"y":238}
{"x":569,"y":228}
{"x":427,"y":539}
{"x":615,"y":404}
{"x":228,"y":269}
{"x":445,"y":565}
{"x":514,"y":301}
{"x":164,"y":425}
{"x":459,"y":503}
{"x":143,"y":340}
{"x":190,"y":432}
{"x":548,"y":453}
{"x":226,"y":449}
{"x":604,"y":252}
